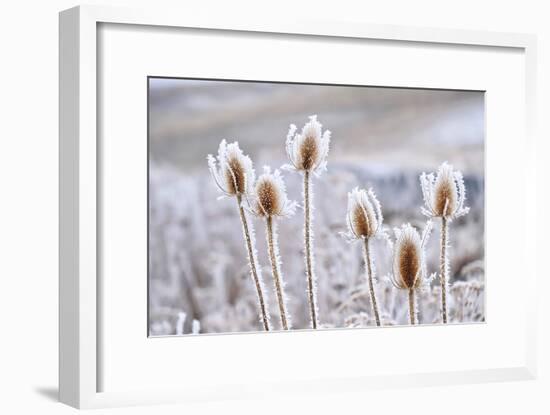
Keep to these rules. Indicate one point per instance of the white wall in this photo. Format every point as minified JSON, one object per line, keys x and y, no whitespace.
{"x":28,"y":206}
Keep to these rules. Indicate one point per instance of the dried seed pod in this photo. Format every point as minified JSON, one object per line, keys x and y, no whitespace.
{"x":270,"y":197}
{"x":364,"y":215}
{"x":409,"y":264}
{"x":408,"y":258}
{"x":232,"y":170}
{"x":444,"y":194}
{"x":308,"y":150}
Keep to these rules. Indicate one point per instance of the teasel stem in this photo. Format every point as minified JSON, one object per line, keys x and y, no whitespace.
{"x":276,"y":273}
{"x":412,"y":306}
{"x":443,"y":267}
{"x":252,"y":262}
{"x":309,"y":261}
{"x":368,"y":266}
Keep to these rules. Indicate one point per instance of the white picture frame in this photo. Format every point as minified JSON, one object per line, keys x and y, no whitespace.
{"x":79,"y":164}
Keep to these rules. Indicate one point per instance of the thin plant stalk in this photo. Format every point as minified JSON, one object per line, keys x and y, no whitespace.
{"x":412,"y":306}
{"x":253,"y":266}
{"x":276,"y":272}
{"x":444,"y":268}
{"x":365,"y":223}
{"x":368,"y":266}
{"x":307,"y":152}
{"x":234,"y":176}
{"x":444,"y":196}
{"x":269,"y":202}
{"x":309,"y":262}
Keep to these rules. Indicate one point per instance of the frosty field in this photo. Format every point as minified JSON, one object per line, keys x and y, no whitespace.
{"x":381,"y":138}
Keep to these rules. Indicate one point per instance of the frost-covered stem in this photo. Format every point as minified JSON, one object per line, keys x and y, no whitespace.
{"x":253,"y":266}
{"x":443,"y":267}
{"x":412,"y":306}
{"x":368,"y":266}
{"x":309,"y":261}
{"x":276,"y":272}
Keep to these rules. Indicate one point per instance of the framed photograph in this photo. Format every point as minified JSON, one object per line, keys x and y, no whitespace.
{"x":254,"y":208}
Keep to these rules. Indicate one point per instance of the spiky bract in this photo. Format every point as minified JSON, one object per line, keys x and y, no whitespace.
{"x":270,"y":197}
{"x":364,"y":216}
{"x":409,"y":264}
{"x":308,"y":150}
{"x":444,"y":194}
{"x":232,"y":170}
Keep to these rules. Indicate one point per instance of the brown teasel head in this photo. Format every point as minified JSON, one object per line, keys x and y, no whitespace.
{"x":363,"y":221}
{"x":408,"y":265}
{"x":364,"y":214}
{"x":444,"y":193}
{"x":267,"y":198}
{"x":270,"y":197}
{"x":235,"y":176}
{"x":445,"y":196}
{"x":309,"y":153}
{"x":232,"y":170}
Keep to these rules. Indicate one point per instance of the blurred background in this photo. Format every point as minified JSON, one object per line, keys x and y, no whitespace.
{"x":199,"y":280}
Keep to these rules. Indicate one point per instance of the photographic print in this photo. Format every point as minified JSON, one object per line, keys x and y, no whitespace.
{"x":285,"y":206}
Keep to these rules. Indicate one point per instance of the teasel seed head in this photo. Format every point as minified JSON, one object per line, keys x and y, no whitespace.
{"x":409,"y":263}
{"x":232,"y":170}
{"x":444,"y":194}
{"x":364,"y":215}
{"x":308,"y":150}
{"x":270,"y":197}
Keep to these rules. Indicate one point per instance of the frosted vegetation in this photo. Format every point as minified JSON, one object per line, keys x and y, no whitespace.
{"x":200,"y":279}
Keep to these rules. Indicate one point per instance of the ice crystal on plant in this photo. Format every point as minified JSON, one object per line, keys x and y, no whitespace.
{"x":444,"y":197}
{"x":307,"y":153}
{"x":232,"y":170}
{"x":234,"y":175}
{"x":270,"y":198}
{"x":270,"y":202}
{"x":364,"y":215}
{"x":308,"y":150}
{"x":444,"y":194}
{"x":409,"y":260}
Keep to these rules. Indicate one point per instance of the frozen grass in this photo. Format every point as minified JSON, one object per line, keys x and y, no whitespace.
{"x":383,"y":138}
{"x":198,"y":265}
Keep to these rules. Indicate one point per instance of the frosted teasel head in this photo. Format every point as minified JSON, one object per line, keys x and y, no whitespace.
{"x":409,"y":259}
{"x":364,"y":215}
{"x":232,"y":170}
{"x":444,"y":194}
{"x":308,"y":150}
{"x":269,"y":197}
